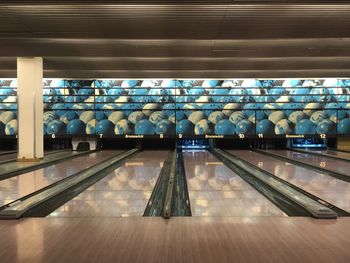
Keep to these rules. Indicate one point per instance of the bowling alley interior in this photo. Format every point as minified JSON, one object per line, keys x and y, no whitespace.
{"x":175,"y":131}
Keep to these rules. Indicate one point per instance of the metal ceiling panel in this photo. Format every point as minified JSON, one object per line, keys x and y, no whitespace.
{"x":178,"y":39}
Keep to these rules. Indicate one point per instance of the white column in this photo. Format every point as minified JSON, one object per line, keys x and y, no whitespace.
{"x":30,"y":108}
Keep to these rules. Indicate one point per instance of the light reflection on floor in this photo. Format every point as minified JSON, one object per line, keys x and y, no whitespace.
{"x":125,"y":192}
{"x":215,"y":190}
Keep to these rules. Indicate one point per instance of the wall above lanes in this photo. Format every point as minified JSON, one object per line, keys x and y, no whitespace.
{"x":188,"y":108}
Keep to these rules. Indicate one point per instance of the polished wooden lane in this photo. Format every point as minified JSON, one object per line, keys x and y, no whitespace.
{"x":7,"y":157}
{"x":215,"y":190}
{"x":24,"y":184}
{"x":330,"y":189}
{"x":192,"y":239}
{"x":338,"y":166}
{"x":12,"y":155}
{"x":344,"y":155}
{"x":124,"y":192}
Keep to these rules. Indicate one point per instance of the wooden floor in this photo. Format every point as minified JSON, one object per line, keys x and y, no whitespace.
{"x":196,"y":239}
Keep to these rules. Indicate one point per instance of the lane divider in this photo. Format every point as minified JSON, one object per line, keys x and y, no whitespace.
{"x":169,"y":193}
{"x":316,"y":209}
{"x":318,"y":169}
{"x":155,"y":205}
{"x":7,"y":152}
{"x":319,"y":154}
{"x":24,"y":205}
{"x":47,"y":153}
{"x":7,"y":172}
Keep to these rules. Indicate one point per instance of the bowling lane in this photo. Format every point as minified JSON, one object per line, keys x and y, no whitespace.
{"x":6,"y":157}
{"x":215,"y":190}
{"x":326,"y":187}
{"x":333,"y":165}
{"x":24,"y":184}
{"x":13,"y":155}
{"x":124,"y":192}
{"x":342,"y":155}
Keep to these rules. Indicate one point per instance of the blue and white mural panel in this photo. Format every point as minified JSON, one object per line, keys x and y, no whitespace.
{"x":8,"y":107}
{"x":187,"y":108}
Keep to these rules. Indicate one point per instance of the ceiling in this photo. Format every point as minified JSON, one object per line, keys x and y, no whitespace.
{"x":178,"y":39}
